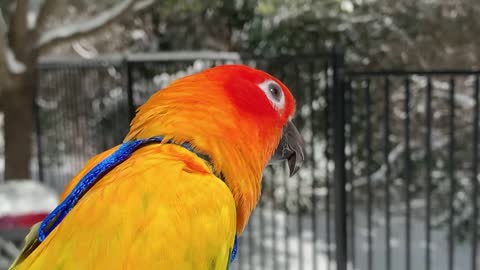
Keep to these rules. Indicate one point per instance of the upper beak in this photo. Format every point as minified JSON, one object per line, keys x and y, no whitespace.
{"x":290,"y":148}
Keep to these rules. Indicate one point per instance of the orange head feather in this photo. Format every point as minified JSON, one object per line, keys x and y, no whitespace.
{"x":233,"y":113}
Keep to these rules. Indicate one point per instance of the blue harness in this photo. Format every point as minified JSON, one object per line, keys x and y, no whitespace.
{"x":88,"y":180}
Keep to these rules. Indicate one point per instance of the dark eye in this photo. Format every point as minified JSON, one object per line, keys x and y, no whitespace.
{"x":275,"y":91}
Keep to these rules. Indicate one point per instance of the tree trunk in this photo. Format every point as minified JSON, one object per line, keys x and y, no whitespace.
{"x":18,"y":128}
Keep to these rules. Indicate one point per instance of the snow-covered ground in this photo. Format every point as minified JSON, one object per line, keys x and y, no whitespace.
{"x":270,"y":251}
{"x":26,"y":197}
{"x":22,"y":198}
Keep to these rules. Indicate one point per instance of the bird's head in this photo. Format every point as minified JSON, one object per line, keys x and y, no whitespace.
{"x":237,"y":115}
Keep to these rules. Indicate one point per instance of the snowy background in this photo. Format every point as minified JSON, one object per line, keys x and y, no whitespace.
{"x":81,"y":53}
{"x":293,"y":226}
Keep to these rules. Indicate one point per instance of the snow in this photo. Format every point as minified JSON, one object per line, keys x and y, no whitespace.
{"x":84,"y":26}
{"x":267,"y":234}
{"x":86,"y":53}
{"x":20,"y":197}
{"x":14,"y":66}
{"x":347,"y":6}
{"x":34,"y":7}
{"x":31,"y":19}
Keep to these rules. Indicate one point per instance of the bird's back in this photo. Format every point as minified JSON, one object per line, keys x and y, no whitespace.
{"x":162,"y":208}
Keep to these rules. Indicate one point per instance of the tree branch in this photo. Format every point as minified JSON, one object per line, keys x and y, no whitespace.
{"x":141,"y":5}
{"x":46,"y":10}
{"x":19,"y":27}
{"x":85,"y":27}
{"x":4,"y":74}
{"x":9,"y":65}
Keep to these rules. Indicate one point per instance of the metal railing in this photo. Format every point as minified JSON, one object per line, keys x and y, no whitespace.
{"x":391,"y":177}
{"x":413,"y":168}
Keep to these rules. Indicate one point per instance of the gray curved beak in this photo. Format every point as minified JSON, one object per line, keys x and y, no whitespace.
{"x":290,"y":149}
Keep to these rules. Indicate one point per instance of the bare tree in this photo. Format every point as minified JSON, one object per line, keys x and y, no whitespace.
{"x":22,"y":41}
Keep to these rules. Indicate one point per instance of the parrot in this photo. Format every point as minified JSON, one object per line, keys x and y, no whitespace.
{"x":180,"y":188}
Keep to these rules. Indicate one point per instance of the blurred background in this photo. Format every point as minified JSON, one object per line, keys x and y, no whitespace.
{"x":387,"y":101}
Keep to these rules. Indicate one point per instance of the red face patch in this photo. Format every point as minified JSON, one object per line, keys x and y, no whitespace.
{"x":242,"y":84}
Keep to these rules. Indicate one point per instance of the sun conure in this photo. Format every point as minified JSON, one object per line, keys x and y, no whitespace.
{"x":181,"y":187}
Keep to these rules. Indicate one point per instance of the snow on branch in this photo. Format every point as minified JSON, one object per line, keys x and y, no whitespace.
{"x":378,"y":177}
{"x":14,"y":66}
{"x":85,"y":27}
{"x":8,"y":61}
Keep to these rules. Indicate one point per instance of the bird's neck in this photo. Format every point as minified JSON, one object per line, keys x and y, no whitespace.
{"x":238,"y":148}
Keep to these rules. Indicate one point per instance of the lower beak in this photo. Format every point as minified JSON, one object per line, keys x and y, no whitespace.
{"x":290,"y":148}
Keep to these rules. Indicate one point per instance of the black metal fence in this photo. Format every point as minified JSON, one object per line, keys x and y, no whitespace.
{"x":390,"y":180}
{"x":413,"y":169}
{"x":85,"y":107}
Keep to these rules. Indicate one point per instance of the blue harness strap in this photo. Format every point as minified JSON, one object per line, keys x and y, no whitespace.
{"x":88,"y":180}
{"x":234,"y":252}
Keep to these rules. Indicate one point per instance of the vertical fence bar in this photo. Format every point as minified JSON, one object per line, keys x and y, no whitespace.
{"x":273,"y":218}
{"x":251,"y":244}
{"x":282,"y":76}
{"x":451,"y":171}
{"x":428,"y":175}
{"x":102,"y":91}
{"x":386,"y":152}
{"x":475,"y":175}
{"x":340,"y":159}
{"x":57,"y":119}
{"x":68,"y":113}
{"x":78,"y":131}
{"x":407,"y":175}
{"x":299,"y":214}
{"x":368,"y":145}
{"x":38,"y":126}
{"x":59,"y":135}
{"x":351,"y":176}
{"x":261,"y":230}
{"x":328,"y":102}
{"x":313,"y":126}
{"x":129,"y":88}
{"x":287,"y":231}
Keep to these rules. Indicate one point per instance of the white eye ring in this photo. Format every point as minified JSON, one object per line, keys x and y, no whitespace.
{"x":274,"y":93}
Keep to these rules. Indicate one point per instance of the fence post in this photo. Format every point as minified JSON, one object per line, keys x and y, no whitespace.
{"x":129,"y":88}
{"x":340,"y":174}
